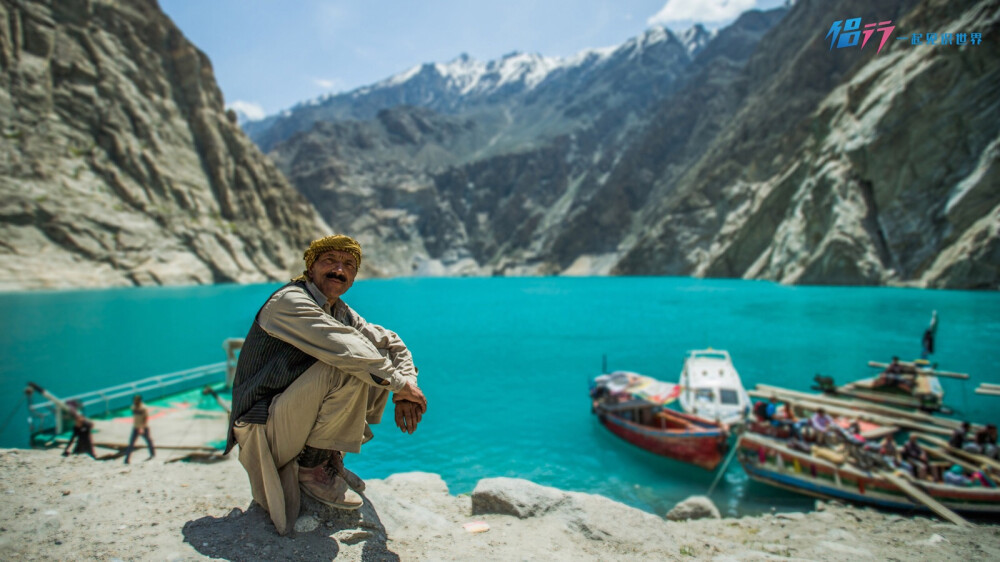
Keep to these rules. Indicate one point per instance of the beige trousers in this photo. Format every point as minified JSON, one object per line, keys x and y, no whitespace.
{"x":324,"y":409}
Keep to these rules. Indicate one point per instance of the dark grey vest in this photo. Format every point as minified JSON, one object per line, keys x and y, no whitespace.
{"x":266,"y":366}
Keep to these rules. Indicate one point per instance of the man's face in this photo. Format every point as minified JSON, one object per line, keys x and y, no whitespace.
{"x":333,"y":272}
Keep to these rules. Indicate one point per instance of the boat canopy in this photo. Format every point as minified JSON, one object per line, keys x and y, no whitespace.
{"x":640,"y":387}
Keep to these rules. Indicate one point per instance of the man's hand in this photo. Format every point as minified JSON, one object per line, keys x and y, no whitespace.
{"x":412,"y":393}
{"x":410,"y":407}
{"x":408,"y":415}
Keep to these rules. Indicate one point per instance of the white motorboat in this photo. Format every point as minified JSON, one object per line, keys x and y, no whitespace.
{"x":711,"y":388}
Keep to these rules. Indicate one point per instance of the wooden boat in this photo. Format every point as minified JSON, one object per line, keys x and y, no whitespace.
{"x":711,"y":387}
{"x":771,"y":461}
{"x":663,"y":431}
{"x":916,"y":386}
{"x":712,"y":397}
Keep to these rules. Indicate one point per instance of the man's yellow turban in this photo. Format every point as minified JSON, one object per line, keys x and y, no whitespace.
{"x":339,"y":242}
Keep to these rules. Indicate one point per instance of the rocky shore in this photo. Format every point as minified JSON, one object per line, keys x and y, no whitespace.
{"x":74,"y":508}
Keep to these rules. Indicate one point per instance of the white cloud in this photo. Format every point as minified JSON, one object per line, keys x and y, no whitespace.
{"x":702,"y":11}
{"x":253,"y":111}
{"x":325,"y":84}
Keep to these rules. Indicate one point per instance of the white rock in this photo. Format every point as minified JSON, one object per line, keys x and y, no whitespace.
{"x":936,"y":538}
{"x":306,"y":523}
{"x":695,"y":507}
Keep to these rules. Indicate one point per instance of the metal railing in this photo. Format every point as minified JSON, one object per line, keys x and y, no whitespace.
{"x":46,"y":416}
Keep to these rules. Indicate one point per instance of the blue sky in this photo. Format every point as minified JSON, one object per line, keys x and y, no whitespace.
{"x":269,"y":55}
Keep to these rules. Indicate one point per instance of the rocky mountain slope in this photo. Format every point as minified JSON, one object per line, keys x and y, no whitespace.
{"x":534,"y":141}
{"x":758,"y":153}
{"x":526,"y":90}
{"x":445,"y":185}
{"x":880,"y":169}
{"x":119,"y":164}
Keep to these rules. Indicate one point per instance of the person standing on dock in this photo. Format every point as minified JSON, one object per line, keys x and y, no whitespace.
{"x":81,"y":433}
{"x":311,"y":376}
{"x":140,"y":426}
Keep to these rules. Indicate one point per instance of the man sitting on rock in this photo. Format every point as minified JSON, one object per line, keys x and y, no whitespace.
{"x":312,"y":374}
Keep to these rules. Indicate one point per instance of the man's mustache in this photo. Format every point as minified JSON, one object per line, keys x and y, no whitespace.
{"x":334,"y":275}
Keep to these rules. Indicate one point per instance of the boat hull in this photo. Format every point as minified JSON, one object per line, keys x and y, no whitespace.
{"x":701,"y":447}
{"x":767,"y":461}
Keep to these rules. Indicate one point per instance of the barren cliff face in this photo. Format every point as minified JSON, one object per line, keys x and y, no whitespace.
{"x":876,"y":169}
{"x":119,"y":165}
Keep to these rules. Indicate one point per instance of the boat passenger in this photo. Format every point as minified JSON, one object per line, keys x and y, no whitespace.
{"x":820,"y":421}
{"x":990,"y":447}
{"x":956,"y":477}
{"x":916,"y":456}
{"x":957,"y":439}
{"x":890,"y":454}
{"x":891,"y":375}
{"x":981,"y":444}
{"x":897,"y":374}
{"x":853,"y":432}
{"x":767,"y":411}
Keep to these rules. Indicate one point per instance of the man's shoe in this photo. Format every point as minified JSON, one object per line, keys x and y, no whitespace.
{"x":336,"y":463}
{"x":323,"y":485}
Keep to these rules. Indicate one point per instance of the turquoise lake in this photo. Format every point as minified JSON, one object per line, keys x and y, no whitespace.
{"x":505,"y":363}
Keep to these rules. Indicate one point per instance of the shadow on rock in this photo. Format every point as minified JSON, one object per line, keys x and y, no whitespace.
{"x":350,"y":528}
{"x":320,"y":532}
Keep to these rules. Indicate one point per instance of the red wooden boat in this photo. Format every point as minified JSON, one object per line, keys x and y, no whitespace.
{"x":664,"y":431}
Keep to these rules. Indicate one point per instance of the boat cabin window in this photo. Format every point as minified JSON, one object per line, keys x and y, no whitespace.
{"x":705,"y":394}
{"x":728,"y":396}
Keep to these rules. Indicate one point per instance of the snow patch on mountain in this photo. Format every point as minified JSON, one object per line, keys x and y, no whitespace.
{"x":466,"y":75}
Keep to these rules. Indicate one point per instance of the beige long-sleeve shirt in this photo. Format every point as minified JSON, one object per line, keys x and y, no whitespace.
{"x":338,"y":336}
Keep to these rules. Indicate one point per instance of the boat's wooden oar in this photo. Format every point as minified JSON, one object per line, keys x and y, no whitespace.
{"x":902,"y":401}
{"x":885,"y":411}
{"x":843,"y":408}
{"x":920,"y":496}
{"x":937,"y":452}
{"x":971,"y":457}
{"x":989,"y":391}
{"x":922,"y":371}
